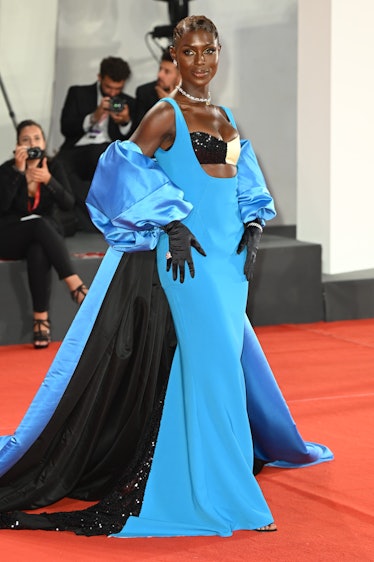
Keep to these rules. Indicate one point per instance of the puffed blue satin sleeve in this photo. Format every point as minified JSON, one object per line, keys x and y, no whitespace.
{"x":254,"y":198}
{"x":131,"y":197}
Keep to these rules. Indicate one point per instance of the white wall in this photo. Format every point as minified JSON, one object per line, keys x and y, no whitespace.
{"x":257,"y":76}
{"x":264,"y":98}
{"x":27,"y":64}
{"x":335,"y":139}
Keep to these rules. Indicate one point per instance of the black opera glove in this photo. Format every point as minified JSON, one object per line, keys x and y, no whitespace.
{"x":181,"y":240}
{"x":250,"y":240}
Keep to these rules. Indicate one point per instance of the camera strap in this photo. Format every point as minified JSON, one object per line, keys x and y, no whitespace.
{"x":33,"y":202}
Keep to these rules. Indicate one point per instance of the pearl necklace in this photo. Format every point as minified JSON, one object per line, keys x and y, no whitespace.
{"x":201,"y":100}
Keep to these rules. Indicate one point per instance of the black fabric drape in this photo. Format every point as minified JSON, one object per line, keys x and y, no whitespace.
{"x":104,"y":416}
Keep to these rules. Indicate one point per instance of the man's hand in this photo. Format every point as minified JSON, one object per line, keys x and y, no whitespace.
{"x":161,"y":92}
{"x":121,"y":117}
{"x":101,"y":111}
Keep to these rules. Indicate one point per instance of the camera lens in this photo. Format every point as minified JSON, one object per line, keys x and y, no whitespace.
{"x":117,"y":104}
{"x":34,"y":152}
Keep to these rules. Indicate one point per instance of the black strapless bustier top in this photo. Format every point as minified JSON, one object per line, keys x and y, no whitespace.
{"x":210,"y":150}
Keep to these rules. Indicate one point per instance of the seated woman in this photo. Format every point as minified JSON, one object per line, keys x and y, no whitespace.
{"x":33,"y":189}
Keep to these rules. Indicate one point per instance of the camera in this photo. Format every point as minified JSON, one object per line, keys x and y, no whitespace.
{"x":117,"y":104}
{"x":35,"y":152}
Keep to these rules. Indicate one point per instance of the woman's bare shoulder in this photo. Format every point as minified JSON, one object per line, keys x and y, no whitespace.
{"x":156,"y":128}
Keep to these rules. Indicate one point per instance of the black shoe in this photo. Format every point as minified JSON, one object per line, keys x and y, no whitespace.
{"x":42,"y":337}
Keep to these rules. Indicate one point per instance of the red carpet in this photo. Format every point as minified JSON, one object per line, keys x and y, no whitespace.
{"x":324,"y":512}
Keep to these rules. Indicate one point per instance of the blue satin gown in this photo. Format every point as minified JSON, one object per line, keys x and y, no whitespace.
{"x":222,"y":404}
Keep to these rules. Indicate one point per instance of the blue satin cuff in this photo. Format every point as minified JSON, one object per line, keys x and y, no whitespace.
{"x":131,"y":197}
{"x":254,"y":198}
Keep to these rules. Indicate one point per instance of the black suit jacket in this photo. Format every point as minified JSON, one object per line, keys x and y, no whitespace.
{"x":145,"y":97}
{"x":79,"y":102}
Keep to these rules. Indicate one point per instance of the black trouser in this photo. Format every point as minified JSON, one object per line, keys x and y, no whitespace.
{"x":37,"y":241}
{"x":82,"y":160}
{"x":80,"y":164}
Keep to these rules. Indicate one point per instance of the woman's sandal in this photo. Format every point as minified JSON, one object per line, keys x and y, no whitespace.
{"x":267,"y":528}
{"x":42,"y":338}
{"x":79,"y":294}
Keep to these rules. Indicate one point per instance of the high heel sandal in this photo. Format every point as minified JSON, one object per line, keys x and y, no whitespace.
{"x":42,"y":338}
{"x":267,"y":528}
{"x":79,"y":291}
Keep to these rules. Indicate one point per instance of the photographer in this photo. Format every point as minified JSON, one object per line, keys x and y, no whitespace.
{"x":33,"y":189}
{"x":92,"y":117}
{"x":148,"y":94}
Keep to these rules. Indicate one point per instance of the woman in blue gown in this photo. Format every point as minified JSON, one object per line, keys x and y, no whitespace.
{"x":163,"y":431}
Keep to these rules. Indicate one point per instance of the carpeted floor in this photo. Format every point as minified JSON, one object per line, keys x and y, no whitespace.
{"x":323,"y":512}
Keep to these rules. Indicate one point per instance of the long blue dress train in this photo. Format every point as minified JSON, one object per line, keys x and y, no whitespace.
{"x":222,"y":405}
